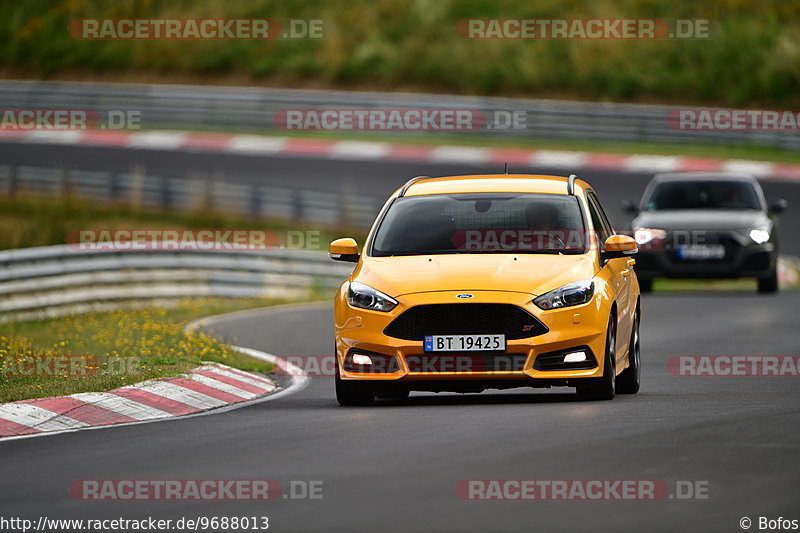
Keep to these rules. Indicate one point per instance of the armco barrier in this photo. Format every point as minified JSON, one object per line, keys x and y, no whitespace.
{"x":252,"y":108}
{"x":166,"y":192}
{"x":56,"y":280}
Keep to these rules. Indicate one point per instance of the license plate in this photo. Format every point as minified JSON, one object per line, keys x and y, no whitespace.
{"x":465,"y":343}
{"x":696,"y":252}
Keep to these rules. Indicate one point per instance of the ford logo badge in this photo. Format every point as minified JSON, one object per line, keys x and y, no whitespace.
{"x":463,"y":296}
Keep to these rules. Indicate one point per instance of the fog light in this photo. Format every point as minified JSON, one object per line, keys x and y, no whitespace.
{"x":575,"y":357}
{"x":361,"y":359}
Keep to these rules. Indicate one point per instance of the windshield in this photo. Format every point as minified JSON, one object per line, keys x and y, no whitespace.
{"x":703,"y":195}
{"x":481,"y":223}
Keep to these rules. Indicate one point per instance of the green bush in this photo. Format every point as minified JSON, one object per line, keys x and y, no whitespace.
{"x":752,"y":59}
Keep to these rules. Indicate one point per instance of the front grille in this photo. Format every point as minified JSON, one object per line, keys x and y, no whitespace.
{"x":730,"y":244}
{"x":465,"y":319}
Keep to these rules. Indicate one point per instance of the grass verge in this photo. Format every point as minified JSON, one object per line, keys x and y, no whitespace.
{"x":103,"y":351}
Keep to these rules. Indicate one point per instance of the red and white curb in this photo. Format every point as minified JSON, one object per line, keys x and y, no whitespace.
{"x":210,"y":387}
{"x":260,"y":145}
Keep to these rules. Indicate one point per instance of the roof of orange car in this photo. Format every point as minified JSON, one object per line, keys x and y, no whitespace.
{"x":531,"y":183}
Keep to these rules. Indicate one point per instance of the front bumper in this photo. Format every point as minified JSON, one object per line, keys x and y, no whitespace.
{"x":743,"y":259}
{"x":360,"y":330}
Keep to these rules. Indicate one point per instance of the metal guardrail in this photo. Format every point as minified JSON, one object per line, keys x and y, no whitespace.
{"x":204,"y":107}
{"x":56,"y":280}
{"x":164,"y":192}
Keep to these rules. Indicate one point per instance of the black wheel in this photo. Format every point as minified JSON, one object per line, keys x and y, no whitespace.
{"x":603,"y":388}
{"x":351,"y":394}
{"x":768,"y":284}
{"x":645,"y":285}
{"x":628,"y":380}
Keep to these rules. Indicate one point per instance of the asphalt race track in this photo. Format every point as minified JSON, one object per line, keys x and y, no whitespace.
{"x":377,"y":178}
{"x":394,"y":466}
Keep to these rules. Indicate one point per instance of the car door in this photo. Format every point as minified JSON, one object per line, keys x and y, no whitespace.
{"x":620,"y":273}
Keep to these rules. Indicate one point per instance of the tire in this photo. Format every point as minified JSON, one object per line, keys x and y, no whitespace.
{"x":645,"y":285}
{"x":603,"y":388}
{"x":629,"y":379}
{"x":769,"y":284}
{"x":350,"y":394}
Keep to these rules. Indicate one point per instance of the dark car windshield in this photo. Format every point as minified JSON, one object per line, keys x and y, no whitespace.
{"x":703,"y":195}
{"x":481,"y":223}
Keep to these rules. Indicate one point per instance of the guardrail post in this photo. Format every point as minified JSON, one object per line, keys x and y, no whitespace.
{"x":113,"y":187}
{"x":255,"y":201}
{"x":64,"y":181}
{"x":166,"y":193}
{"x":13,"y":179}
{"x":297,"y":205}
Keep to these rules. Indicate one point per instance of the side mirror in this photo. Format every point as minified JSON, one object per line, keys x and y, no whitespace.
{"x":778,"y":206}
{"x":630,"y":207}
{"x":344,"y":250}
{"x":620,"y":246}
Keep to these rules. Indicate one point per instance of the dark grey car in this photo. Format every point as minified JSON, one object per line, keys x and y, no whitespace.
{"x":706,"y":225}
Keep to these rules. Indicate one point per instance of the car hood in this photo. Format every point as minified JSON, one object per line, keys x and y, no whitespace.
{"x":529,"y":273}
{"x":700,"y":219}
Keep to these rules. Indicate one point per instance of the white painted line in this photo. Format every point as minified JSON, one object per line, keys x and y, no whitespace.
{"x":256,"y":144}
{"x":36,"y":417}
{"x":174,"y":392}
{"x":54,"y":136}
{"x":219,"y":385}
{"x":265,"y":386}
{"x":359,"y":150}
{"x":121,"y":405}
{"x":652,"y":163}
{"x":559,"y":159}
{"x":756,"y":168}
{"x":255,"y":377}
{"x":157,"y":140}
{"x":459,"y":154}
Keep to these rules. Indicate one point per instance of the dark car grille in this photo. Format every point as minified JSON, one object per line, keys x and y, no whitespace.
{"x":465,"y":319}
{"x":730,"y":244}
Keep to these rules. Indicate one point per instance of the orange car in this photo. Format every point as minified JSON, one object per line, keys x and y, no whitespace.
{"x":492,"y":281}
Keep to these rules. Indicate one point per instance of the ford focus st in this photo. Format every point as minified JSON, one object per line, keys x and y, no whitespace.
{"x":468,"y":283}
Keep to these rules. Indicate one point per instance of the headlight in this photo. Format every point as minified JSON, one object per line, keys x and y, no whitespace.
{"x":645,"y":235}
{"x":759,"y":235}
{"x":365,"y":297}
{"x":576,"y":293}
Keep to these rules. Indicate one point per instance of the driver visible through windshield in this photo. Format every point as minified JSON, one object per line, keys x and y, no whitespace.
{"x":481,"y":223}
